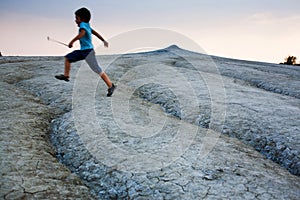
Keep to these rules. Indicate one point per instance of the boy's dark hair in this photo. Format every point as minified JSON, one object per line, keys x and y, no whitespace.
{"x":84,"y":14}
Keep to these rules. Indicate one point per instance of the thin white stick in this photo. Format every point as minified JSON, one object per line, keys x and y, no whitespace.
{"x":53,"y":40}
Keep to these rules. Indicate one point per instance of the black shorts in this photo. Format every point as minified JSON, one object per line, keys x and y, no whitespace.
{"x":88,"y":55}
{"x":77,"y":55}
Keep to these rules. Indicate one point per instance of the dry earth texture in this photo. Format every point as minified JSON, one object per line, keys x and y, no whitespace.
{"x":180,"y":125}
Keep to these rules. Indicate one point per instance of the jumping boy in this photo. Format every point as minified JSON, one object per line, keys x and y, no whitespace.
{"x":86,"y":51}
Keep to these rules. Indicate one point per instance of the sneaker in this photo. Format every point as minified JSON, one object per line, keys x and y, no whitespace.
{"x":62,"y":77}
{"x":110,"y":90}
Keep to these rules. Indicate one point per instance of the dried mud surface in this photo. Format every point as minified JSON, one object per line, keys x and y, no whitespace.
{"x":44,"y":155}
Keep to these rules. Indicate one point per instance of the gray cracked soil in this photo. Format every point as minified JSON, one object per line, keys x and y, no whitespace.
{"x":262,"y":115}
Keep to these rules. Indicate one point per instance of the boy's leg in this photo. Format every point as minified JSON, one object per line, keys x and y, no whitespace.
{"x":67,"y":67}
{"x":71,"y":57}
{"x":110,"y":85}
{"x":92,"y":62}
{"x":66,"y":75}
{"x":106,"y":79}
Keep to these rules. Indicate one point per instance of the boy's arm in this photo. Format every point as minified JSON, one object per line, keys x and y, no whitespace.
{"x":100,"y":37}
{"x":80,"y":35}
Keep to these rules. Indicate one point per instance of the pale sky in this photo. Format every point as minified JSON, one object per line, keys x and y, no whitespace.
{"x":259,"y":30}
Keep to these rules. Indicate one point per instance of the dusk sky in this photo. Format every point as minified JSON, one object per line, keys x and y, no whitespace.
{"x":259,"y":30}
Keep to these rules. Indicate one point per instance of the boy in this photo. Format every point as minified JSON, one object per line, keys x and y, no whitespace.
{"x":86,"y":51}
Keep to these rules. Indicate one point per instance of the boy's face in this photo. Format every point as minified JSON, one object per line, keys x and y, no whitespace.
{"x":78,"y":20}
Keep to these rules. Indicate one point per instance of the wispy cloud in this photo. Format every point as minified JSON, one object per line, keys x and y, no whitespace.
{"x":269,"y":18}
